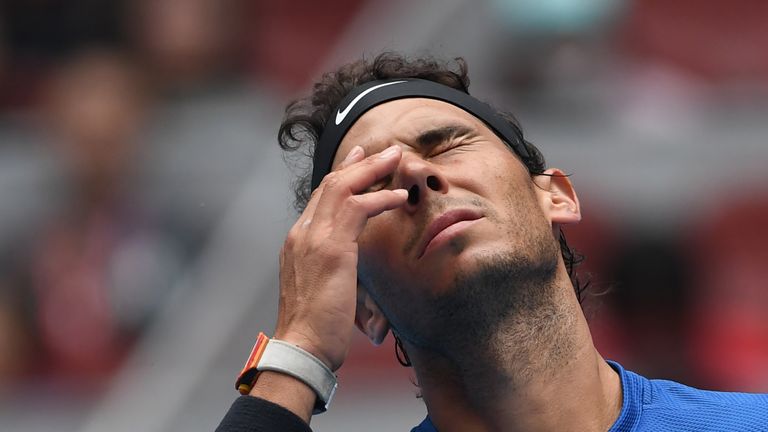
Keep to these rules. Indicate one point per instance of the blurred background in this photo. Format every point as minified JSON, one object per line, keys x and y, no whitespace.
{"x":143,"y":198}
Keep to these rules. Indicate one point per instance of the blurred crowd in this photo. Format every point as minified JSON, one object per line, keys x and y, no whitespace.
{"x":126,"y":127}
{"x":86,"y":259}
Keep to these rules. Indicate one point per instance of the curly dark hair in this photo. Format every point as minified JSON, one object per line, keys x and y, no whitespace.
{"x":306,"y":118}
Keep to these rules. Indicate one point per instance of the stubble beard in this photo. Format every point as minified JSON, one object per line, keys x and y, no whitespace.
{"x":501,"y":318}
{"x":501,"y":326}
{"x":505,"y":294}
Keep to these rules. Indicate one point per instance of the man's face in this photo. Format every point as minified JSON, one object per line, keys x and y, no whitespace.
{"x":409,"y":260}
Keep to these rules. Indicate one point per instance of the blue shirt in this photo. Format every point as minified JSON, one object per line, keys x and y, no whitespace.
{"x":667,"y":406}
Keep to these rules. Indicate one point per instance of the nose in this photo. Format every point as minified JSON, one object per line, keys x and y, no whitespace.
{"x":421,"y":178}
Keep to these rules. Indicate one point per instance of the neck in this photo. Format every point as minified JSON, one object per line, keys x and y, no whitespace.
{"x":532,"y":374}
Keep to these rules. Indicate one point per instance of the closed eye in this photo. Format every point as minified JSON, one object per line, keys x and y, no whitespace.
{"x":441,"y":148}
{"x":450,"y":146}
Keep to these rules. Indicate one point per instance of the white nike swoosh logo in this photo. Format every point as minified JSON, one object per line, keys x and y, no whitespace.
{"x":341,"y":114}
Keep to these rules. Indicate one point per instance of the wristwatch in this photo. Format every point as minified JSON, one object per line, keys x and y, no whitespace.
{"x":275,"y":355}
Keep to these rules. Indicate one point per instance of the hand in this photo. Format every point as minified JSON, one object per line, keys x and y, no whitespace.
{"x":318,"y":261}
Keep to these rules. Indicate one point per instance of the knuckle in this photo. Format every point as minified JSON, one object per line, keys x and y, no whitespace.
{"x":355,"y":202}
{"x":291,"y":239}
{"x":331,"y":181}
{"x":313,"y":196}
{"x":369,"y":160}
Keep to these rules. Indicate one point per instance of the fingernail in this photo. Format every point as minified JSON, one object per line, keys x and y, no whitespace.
{"x":388,"y":153}
{"x":402,"y":192}
{"x":354,"y":153}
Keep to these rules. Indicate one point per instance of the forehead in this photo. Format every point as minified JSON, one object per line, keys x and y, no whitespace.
{"x":399,"y":121}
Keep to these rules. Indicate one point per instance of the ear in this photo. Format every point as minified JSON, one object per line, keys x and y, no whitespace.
{"x":557,"y":197}
{"x":369,"y":318}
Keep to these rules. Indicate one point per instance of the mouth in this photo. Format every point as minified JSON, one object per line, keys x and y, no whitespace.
{"x":446,"y":224}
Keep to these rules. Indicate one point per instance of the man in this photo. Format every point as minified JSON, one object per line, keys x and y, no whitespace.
{"x":437,"y":221}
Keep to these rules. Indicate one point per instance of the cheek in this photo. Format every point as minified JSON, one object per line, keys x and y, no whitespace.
{"x":382,"y":260}
{"x":496,"y":175}
{"x":378,"y":241}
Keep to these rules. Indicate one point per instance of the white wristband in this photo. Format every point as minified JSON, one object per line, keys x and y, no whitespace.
{"x":289,"y":359}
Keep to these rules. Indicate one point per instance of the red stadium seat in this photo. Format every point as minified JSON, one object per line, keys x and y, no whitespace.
{"x":728,"y":327}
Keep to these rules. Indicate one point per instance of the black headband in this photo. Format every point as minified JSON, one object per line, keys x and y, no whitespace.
{"x":373,"y":93}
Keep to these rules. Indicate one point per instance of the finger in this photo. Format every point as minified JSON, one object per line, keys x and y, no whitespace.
{"x":354,"y":179}
{"x":359,"y":176}
{"x":357,"y":209}
{"x":355,"y":155}
{"x":305,"y":220}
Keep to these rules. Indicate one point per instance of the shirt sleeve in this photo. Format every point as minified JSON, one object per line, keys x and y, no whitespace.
{"x":252,"y":414}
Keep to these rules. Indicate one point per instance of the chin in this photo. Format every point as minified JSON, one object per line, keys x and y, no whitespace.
{"x":484,"y":290}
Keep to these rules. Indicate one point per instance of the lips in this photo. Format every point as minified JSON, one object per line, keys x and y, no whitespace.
{"x":444,"y":221}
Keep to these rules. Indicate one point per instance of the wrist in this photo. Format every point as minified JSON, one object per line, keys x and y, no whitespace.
{"x":286,"y":391}
{"x":287,"y":358}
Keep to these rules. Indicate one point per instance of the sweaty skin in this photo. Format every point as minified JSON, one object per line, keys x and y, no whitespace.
{"x":528,"y":364}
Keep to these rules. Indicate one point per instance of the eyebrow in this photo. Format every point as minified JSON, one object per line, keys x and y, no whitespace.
{"x":433,"y":137}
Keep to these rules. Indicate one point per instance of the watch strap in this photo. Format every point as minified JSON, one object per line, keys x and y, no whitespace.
{"x":275,"y":355}
{"x":289,"y":359}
